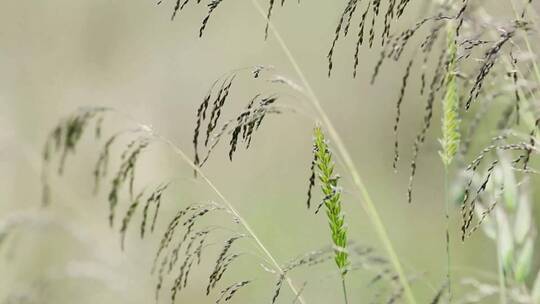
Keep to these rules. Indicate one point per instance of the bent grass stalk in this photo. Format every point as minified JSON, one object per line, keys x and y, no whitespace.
{"x":450,"y":137}
{"x":233,"y":210}
{"x":367,"y":202}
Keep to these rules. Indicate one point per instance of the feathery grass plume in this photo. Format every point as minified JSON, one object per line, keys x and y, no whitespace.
{"x":194,"y":242}
{"x":125,"y":174}
{"x":191,"y":240}
{"x":126,"y":171}
{"x":332,"y":198}
{"x":451,"y":121}
{"x":242,"y":127}
{"x":64,"y":138}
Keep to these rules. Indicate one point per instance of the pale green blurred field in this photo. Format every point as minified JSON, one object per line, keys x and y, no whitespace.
{"x":58,"y":55}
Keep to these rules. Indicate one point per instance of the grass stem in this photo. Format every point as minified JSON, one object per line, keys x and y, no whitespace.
{"x":345,"y":297}
{"x":447,"y":219}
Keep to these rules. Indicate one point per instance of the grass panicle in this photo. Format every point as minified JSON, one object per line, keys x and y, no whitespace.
{"x":241,"y":128}
{"x":372,"y":9}
{"x":332,"y":198}
{"x":212,"y":6}
{"x":450,"y":123}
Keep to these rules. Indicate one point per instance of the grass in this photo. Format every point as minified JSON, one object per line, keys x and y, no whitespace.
{"x":474,"y":66}
{"x":367,"y":202}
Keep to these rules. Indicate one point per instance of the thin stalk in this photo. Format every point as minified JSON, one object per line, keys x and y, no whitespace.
{"x":344,"y":289}
{"x":447,"y":218}
{"x":367,"y":202}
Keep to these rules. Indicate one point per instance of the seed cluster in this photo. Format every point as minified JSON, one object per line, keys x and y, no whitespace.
{"x":212,"y":5}
{"x":240,"y":129}
{"x":451,"y":135}
{"x":394,"y":10}
{"x":332,"y":198}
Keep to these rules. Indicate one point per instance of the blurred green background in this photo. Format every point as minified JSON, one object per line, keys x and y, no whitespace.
{"x":58,"y":55}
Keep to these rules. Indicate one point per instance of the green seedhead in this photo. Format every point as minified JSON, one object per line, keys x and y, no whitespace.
{"x":332,"y":198}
